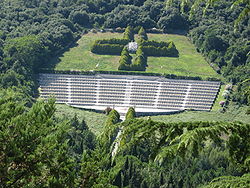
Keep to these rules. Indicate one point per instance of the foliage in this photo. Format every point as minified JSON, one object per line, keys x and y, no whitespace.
{"x":129,"y":34}
{"x":33,"y":146}
{"x":131,"y":113}
{"x":39,"y":150}
{"x":229,"y":181}
{"x":142,"y":34}
{"x":172,"y":19}
{"x":154,"y":49}
{"x":171,"y":139}
{"x":125,"y":60}
{"x":140,"y":61}
{"x":195,"y":4}
{"x":134,"y":166}
{"x":110,"y":49}
{"x":81,"y":18}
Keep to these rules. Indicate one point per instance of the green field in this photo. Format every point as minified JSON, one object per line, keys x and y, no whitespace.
{"x":95,"y":121}
{"x":79,"y":57}
{"x":189,"y":63}
{"x":234,"y":113}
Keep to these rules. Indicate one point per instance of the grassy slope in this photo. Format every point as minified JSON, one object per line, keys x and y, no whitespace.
{"x":234,"y":113}
{"x":216,"y":106}
{"x":95,"y":121}
{"x":80,"y":57}
{"x":189,"y":63}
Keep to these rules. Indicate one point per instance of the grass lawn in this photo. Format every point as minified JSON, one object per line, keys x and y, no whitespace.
{"x":189,"y":63}
{"x":79,"y":57}
{"x":95,"y":121}
{"x":216,"y":106}
{"x":234,"y":113}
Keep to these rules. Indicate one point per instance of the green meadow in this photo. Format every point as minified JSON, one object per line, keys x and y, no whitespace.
{"x":79,"y":57}
{"x":95,"y":121}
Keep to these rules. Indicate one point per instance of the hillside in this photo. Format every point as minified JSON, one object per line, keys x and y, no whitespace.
{"x":43,"y":144}
{"x":189,"y":63}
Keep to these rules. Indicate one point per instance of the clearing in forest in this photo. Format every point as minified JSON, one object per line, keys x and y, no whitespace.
{"x":189,"y":62}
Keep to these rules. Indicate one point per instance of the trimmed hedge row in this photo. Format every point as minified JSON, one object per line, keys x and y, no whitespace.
{"x":107,"y":49}
{"x":165,"y":49}
{"x":140,"y":61}
{"x":125,"y":60}
{"x":169,"y":76}
{"x":113,"y":41}
{"x":155,"y":43}
{"x":138,"y":64}
{"x":109,"y":46}
{"x":160,"y":52}
{"x":129,"y":34}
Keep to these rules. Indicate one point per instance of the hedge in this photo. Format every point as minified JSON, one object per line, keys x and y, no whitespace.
{"x":157,"y":51}
{"x":107,"y":49}
{"x":113,"y":117}
{"x":155,"y":43}
{"x":128,"y":34}
{"x":113,"y":41}
{"x":139,"y":63}
{"x":154,"y":48}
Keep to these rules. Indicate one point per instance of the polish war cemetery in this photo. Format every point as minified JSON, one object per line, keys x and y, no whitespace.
{"x":124,"y":94}
{"x":148,"y":95}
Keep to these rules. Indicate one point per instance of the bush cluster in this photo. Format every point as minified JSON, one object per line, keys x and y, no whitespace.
{"x":140,"y":61}
{"x":165,"y":49}
{"x":125,"y":60}
{"x":107,"y":49}
{"x":129,"y":34}
{"x":138,"y":64}
{"x":113,"y":117}
{"x":142,"y":34}
{"x":113,"y":46}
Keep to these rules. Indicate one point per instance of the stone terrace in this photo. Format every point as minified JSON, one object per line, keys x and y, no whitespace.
{"x":149,"y":95}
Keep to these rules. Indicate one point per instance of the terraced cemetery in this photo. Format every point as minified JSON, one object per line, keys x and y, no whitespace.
{"x":149,"y":95}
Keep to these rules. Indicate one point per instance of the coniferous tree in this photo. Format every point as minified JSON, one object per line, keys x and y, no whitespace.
{"x":33,"y":145}
{"x":130,"y":114}
{"x":129,"y":34}
{"x":142,"y":34}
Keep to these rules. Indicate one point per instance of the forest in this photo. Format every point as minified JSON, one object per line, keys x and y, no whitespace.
{"x":38,"y":149}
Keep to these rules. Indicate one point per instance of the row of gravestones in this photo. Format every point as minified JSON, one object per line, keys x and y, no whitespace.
{"x":143,"y":48}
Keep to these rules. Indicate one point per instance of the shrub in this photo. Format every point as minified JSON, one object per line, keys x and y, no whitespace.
{"x":125,"y":60}
{"x":113,"y":117}
{"x":142,"y":34}
{"x":113,"y":41}
{"x":153,"y":48}
{"x":128,"y":34}
{"x":110,"y":49}
{"x":131,"y":113}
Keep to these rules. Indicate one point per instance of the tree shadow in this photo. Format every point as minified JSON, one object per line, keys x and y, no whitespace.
{"x":176,"y":32}
{"x":53,"y":61}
